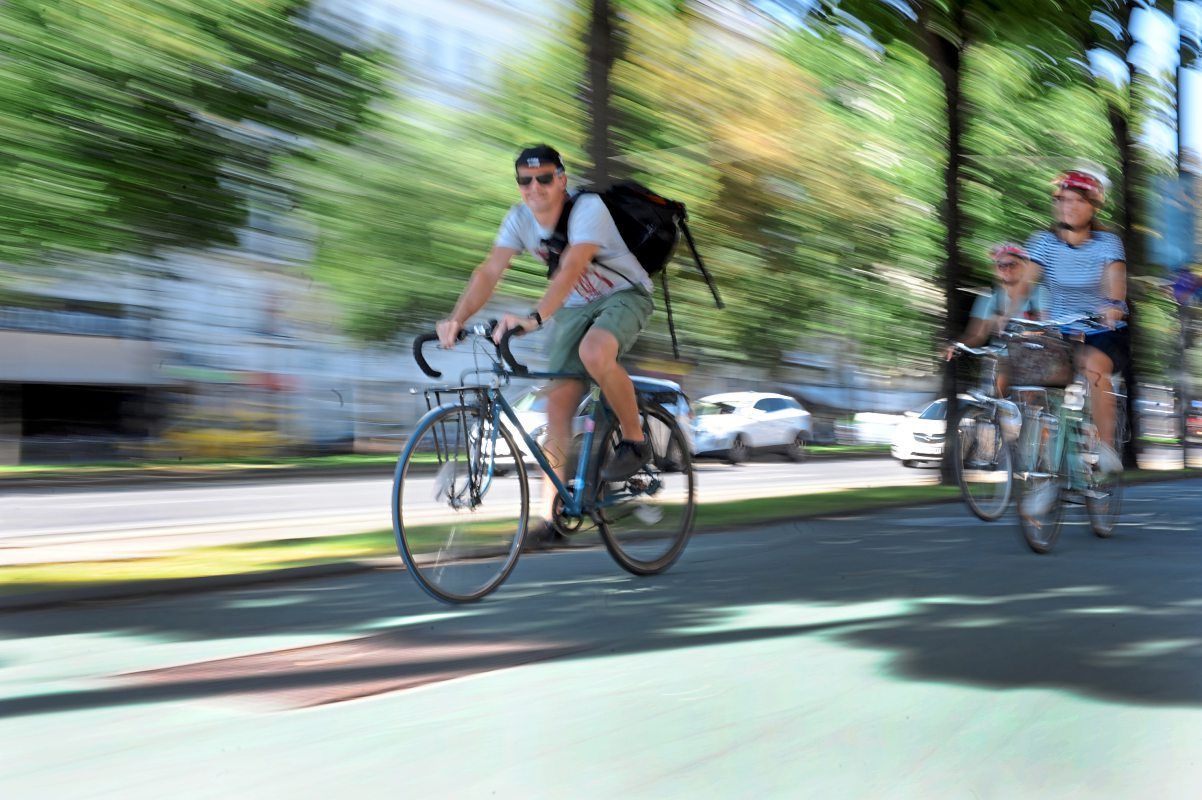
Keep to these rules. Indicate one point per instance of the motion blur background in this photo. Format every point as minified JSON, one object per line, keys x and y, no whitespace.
{"x":222,"y":220}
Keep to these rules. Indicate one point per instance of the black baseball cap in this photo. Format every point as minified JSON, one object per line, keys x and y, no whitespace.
{"x":540,"y":155}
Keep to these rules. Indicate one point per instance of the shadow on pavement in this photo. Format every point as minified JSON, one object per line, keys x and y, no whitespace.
{"x":944,"y":597}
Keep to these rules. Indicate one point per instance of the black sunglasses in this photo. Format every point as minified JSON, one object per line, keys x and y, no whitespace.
{"x":544,"y":179}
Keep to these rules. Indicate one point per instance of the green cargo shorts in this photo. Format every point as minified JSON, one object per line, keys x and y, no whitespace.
{"x":624,"y":314}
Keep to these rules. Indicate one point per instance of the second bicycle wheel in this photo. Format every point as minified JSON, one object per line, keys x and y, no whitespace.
{"x":1040,"y":488}
{"x":647,"y":519}
{"x":1103,"y":499}
{"x":460,"y":503}
{"x":983,"y":464}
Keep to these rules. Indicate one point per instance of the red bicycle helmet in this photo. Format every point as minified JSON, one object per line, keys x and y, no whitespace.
{"x":1007,"y":249}
{"x":1084,"y":182}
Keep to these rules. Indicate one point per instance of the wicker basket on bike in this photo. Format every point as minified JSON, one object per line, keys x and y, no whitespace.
{"x":1040,"y":360}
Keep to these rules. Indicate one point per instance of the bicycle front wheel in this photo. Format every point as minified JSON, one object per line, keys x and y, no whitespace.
{"x":983,"y":464}
{"x":647,"y":519}
{"x":460,"y":504}
{"x":1040,"y":489}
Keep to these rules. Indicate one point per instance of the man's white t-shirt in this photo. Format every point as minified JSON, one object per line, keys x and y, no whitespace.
{"x":590,"y":223}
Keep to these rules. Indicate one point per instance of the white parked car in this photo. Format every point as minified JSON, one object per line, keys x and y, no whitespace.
{"x":918,"y":438}
{"x":734,"y":424}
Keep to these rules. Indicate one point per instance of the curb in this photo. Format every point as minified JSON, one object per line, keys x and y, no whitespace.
{"x":55,"y":598}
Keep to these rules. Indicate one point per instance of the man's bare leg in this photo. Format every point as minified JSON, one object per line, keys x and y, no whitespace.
{"x":599,"y":354}
{"x":563,"y":398}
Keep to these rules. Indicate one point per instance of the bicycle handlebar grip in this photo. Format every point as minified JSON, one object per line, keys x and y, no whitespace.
{"x":507,"y":356}
{"x":420,"y":341}
{"x":421,"y":359}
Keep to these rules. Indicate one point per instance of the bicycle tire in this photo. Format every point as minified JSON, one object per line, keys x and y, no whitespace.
{"x":632,"y":539}
{"x":479,"y":553}
{"x":983,"y":463}
{"x":1103,"y":511}
{"x":1040,"y":496}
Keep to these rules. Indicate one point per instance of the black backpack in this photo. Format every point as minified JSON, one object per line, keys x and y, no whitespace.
{"x":650,"y":226}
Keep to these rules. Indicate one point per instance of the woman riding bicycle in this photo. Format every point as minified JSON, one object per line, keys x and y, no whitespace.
{"x":1083,"y":267}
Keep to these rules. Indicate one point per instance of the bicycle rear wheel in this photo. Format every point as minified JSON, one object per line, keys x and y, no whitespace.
{"x":459,"y":524}
{"x":647,"y":519}
{"x":1040,"y":489}
{"x":983,"y":464}
{"x":1104,"y":495}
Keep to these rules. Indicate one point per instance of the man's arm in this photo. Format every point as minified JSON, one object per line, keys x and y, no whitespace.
{"x":572,"y":264}
{"x":479,"y":289}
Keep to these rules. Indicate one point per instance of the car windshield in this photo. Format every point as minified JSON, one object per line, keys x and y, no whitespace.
{"x":936,"y":410}
{"x":710,"y":409}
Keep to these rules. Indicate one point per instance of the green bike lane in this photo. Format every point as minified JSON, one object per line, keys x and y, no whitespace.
{"x":907,"y":653}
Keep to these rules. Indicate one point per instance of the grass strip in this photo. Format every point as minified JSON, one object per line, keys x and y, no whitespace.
{"x":184,"y":466}
{"x":241,"y":559}
{"x":198,"y":464}
{"x":252,"y":557}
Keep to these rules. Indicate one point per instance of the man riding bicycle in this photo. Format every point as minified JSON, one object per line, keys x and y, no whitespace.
{"x":599,"y":295}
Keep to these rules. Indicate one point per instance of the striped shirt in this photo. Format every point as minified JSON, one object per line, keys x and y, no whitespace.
{"x":1073,"y":275}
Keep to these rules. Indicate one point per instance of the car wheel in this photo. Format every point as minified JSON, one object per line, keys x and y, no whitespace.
{"x":739,"y":451}
{"x":908,"y":463}
{"x":796,"y":449}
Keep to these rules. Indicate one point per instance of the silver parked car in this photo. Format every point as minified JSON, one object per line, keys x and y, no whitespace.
{"x":733,"y":425}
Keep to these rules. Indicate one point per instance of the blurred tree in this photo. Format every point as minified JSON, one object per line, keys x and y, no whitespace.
{"x":786,"y":200}
{"x":406,"y":210}
{"x":130,"y":124}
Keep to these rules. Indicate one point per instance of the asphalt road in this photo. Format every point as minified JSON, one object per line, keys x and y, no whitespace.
{"x":121,"y":522}
{"x":903,"y":654}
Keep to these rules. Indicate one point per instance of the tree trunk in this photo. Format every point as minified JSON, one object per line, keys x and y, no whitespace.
{"x":1186,"y":57}
{"x":602,"y":52}
{"x":946,"y":57}
{"x":1120,"y":125}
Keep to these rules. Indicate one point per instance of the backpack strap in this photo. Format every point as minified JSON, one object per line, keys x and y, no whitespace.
{"x":558,"y":241}
{"x":682,"y":221}
{"x":663,"y":281}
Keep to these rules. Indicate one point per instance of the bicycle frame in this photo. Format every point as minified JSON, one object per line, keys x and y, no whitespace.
{"x":1069,"y":420}
{"x":497,"y":409}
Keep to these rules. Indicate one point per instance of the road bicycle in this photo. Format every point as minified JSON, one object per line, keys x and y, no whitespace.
{"x":461,"y":493}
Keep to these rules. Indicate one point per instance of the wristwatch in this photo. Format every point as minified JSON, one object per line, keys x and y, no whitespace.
{"x":1119,"y":304}
{"x":537,"y":317}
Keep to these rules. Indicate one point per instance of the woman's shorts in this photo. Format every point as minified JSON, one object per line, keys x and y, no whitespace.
{"x":1116,"y":344}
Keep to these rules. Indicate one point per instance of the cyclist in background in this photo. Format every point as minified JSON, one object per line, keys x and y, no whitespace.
{"x":1083,"y":266}
{"x":1011,"y":297}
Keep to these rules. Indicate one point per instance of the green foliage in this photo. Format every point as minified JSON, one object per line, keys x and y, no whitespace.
{"x":406,"y":211}
{"x":123,"y":123}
